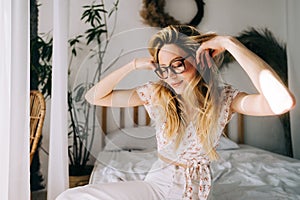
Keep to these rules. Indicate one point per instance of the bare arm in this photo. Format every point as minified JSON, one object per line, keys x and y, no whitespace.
{"x":273,"y":96}
{"x":104,"y":94}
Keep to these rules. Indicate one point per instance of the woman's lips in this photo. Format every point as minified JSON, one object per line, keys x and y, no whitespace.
{"x":176,"y":84}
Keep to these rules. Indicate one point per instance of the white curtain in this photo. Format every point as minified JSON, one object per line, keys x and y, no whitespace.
{"x":58,"y":146}
{"x":293,"y":49}
{"x":14,"y":101}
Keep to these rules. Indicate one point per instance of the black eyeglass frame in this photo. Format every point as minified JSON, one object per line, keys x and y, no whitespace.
{"x":170,"y":67}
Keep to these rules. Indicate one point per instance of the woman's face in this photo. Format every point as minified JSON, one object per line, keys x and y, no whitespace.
{"x":173,"y":56}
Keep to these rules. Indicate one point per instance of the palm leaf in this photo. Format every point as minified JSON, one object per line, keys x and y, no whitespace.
{"x":263,"y":43}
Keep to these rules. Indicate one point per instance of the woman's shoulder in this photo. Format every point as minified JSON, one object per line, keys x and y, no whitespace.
{"x":146,"y":94}
{"x":147,"y":85}
{"x":146,"y":90}
{"x":229,"y":90}
{"x":228,"y":93}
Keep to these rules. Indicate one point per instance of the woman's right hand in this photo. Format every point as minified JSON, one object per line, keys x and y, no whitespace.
{"x":104,"y":92}
{"x":144,"y":63}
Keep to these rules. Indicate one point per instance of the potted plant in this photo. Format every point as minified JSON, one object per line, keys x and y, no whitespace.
{"x":81,"y":114}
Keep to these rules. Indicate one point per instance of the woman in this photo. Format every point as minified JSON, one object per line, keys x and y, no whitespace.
{"x":190,"y":106}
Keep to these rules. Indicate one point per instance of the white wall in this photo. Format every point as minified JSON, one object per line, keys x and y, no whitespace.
{"x":224,"y":17}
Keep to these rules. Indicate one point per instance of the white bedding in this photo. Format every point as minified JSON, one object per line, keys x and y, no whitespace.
{"x":251,"y":173}
{"x":244,"y":173}
{"x":114,"y":166}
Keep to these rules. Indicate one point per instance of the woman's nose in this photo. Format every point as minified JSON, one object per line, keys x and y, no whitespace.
{"x":171,"y":74}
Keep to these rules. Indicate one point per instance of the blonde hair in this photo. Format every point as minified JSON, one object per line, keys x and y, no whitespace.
{"x":202,"y":92}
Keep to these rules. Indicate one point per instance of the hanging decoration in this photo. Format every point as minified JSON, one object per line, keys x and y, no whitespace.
{"x":153,"y":14}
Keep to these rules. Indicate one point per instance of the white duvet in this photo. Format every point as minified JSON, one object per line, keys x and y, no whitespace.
{"x":114,"y":166}
{"x":244,"y":173}
{"x":250,"y":173}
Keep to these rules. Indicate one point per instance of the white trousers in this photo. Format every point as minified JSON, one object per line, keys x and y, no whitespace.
{"x":164,"y":181}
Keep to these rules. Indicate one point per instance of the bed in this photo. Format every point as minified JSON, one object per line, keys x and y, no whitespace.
{"x":242,"y":172}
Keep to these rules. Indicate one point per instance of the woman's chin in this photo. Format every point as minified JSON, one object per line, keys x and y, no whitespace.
{"x":178,"y":90}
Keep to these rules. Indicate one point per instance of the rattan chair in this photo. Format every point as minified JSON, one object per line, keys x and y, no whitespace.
{"x":37,"y":116}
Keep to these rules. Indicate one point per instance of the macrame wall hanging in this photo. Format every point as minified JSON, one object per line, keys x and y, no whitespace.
{"x":153,"y":14}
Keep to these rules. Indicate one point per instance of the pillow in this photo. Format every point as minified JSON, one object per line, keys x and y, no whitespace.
{"x":134,"y":138}
{"x":143,"y":138}
{"x":225,"y":143}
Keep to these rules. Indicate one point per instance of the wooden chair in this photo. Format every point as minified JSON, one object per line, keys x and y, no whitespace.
{"x":37,"y":116}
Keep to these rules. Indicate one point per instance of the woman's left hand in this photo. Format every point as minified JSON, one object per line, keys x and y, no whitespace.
{"x":209,"y":49}
{"x":217,"y":44}
{"x":272,"y":97}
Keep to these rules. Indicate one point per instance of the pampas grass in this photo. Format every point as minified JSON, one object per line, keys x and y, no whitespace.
{"x":263,"y":43}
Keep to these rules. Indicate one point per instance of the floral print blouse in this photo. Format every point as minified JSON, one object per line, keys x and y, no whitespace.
{"x":190,"y":153}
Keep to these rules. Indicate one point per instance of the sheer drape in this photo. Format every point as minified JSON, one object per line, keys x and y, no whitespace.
{"x":58,"y":146}
{"x":293,"y":49}
{"x":14,"y":101}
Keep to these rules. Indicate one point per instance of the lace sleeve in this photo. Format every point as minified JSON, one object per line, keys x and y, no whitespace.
{"x":229,"y":93}
{"x":145,"y":92}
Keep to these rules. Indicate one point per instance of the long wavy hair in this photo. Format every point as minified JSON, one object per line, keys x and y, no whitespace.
{"x":202,"y":93}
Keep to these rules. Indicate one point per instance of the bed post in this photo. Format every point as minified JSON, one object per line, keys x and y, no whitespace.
{"x":240,"y":122}
{"x":122,"y":117}
{"x":147,"y":119}
{"x":104,"y":121}
{"x":135,"y":116}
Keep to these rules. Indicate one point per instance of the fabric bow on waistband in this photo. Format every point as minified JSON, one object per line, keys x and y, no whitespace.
{"x":197,"y":171}
{"x":194,"y":170}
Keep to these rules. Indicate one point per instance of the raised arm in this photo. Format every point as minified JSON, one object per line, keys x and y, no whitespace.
{"x":104,"y":93}
{"x":273,"y":96}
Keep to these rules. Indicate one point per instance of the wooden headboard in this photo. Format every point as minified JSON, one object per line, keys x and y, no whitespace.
{"x":240,"y":124}
{"x":140,"y":112}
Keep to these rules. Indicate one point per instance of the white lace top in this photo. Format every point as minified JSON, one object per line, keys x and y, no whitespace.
{"x":190,"y":152}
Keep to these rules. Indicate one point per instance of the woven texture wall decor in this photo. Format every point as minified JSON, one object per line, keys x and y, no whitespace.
{"x":153,"y":14}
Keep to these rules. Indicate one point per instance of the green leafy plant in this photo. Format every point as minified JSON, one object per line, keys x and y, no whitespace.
{"x":83,"y":115}
{"x":40,"y":79}
{"x":41,"y":66}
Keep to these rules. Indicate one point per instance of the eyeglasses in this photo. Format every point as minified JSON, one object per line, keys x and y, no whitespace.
{"x":177,"y":66}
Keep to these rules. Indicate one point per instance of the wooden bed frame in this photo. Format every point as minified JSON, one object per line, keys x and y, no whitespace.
{"x":227,"y":171}
{"x":136,"y":117}
{"x":136,"y":122}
